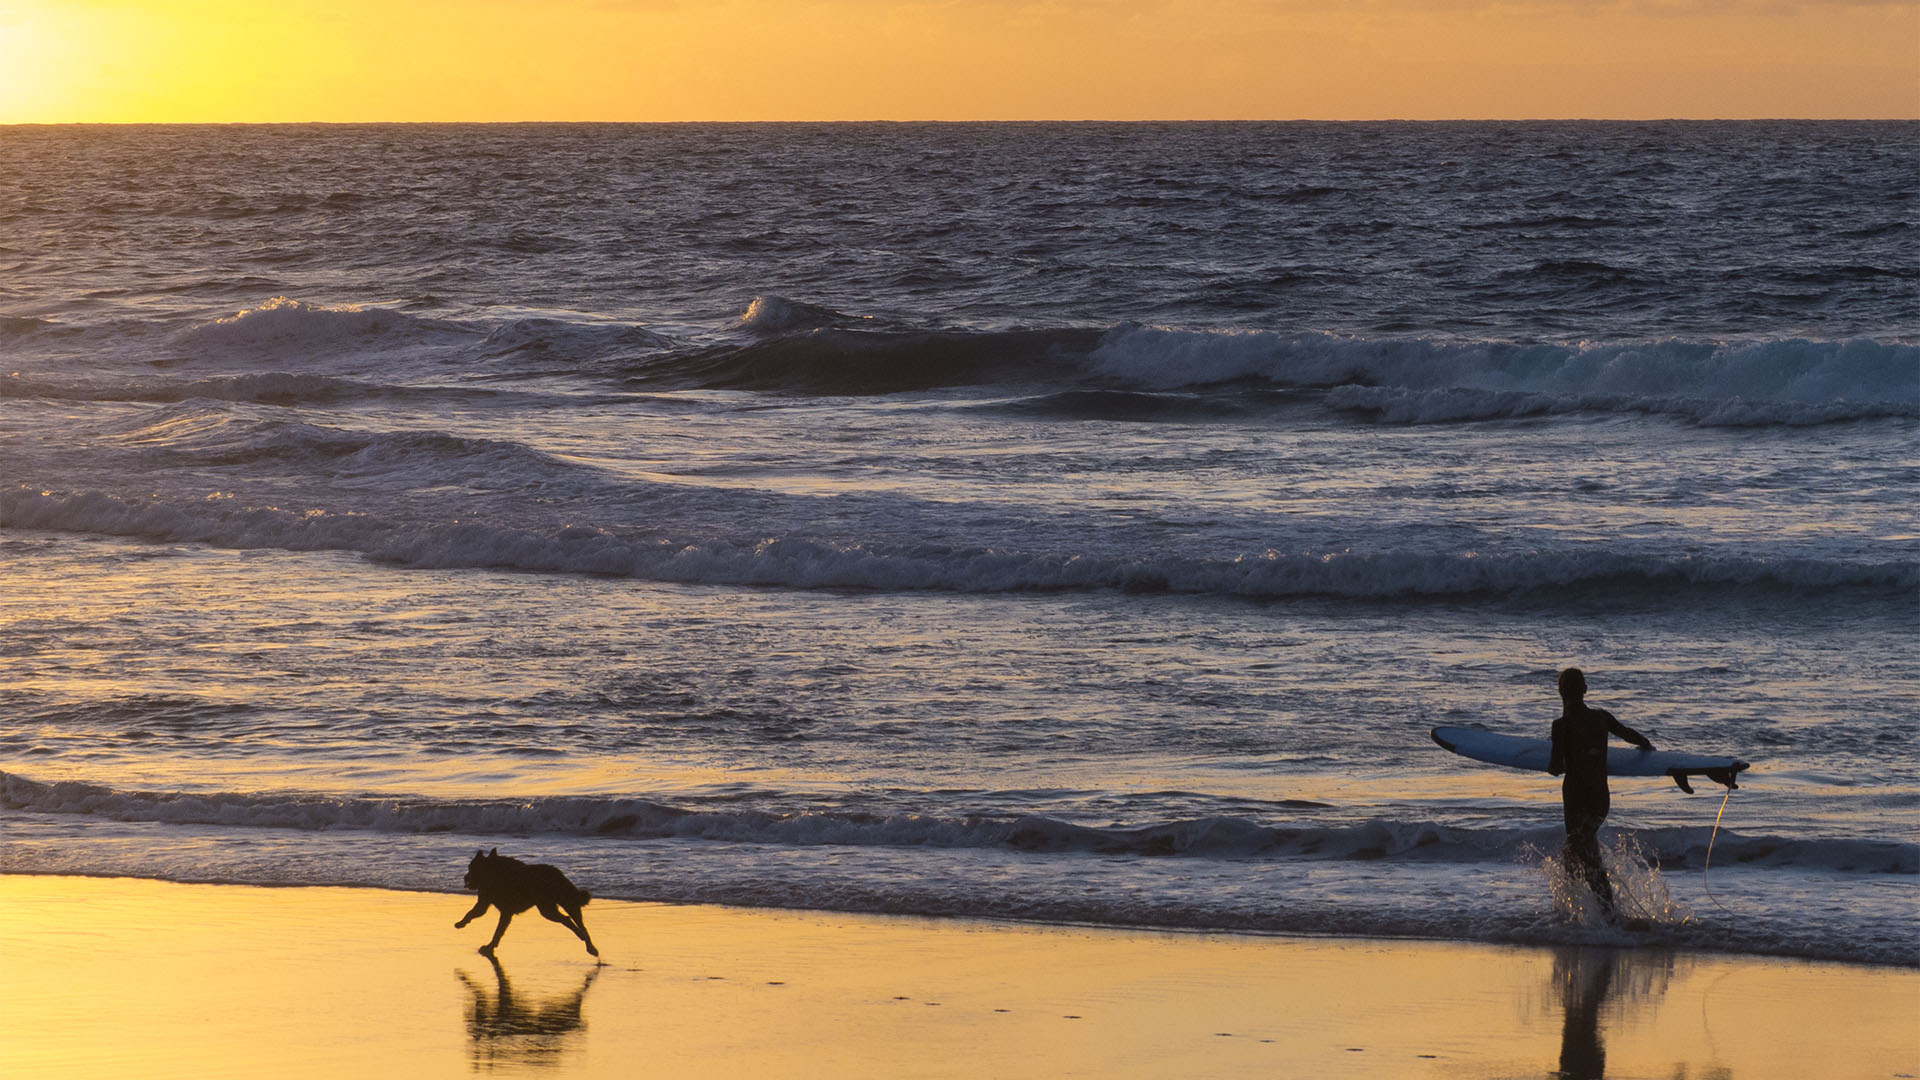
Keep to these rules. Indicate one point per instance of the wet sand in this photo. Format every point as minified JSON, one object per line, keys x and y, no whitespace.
{"x":119,"y":977}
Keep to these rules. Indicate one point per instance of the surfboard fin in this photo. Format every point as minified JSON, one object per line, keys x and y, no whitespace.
{"x":1718,"y":776}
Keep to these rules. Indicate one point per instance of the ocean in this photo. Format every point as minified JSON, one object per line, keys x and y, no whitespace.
{"x":1081,"y":523}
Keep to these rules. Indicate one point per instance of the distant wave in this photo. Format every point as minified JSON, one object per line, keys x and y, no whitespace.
{"x":1221,"y":837}
{"x":191,"y":435}
{"x":1125,"y":372}
{"x":284,"y":325}
{"x":852,"y":362}
{"x":1453,"y":405}
{"x":263,"y":388}
{"x":1133,"y":405}
{"x":780,"y":315}
{"x":1774,"y":382}
{"x":1142,"y":372}
{"x":798,"y":562}
{"x":19,"y":326}
{"x":591,"y":344}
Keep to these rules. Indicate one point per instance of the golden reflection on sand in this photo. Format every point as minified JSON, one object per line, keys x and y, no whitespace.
{"x":116,"y":978}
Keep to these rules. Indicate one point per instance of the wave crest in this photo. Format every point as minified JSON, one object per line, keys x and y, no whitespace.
{"x":854,"y":362}
{"x":1773,"y":382}
{"x":1217,"y":837}
{"x":568,"y":341}
{"x":779,"y":315}
{"x":286,"y":324}
{"x":800,"y":562}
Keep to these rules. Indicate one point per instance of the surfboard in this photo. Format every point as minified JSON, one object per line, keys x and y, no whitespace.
{"x":1520,"y":752}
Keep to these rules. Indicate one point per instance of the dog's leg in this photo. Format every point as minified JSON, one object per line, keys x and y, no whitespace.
{"x":580,"y":927}
{"x":570,"y":919}
{"x":479,"y":909}
{"x":499,"y":932}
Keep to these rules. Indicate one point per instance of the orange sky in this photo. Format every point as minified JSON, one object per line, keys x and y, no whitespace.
{"x":222,"y":60}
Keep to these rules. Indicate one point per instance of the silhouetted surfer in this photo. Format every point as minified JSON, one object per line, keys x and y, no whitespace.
{"x":1580,"y":751}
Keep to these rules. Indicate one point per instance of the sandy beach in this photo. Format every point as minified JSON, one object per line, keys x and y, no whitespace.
{"x":123,"y":977}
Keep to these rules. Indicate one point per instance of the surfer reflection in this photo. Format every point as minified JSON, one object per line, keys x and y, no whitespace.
{"x":1586,"y":981}
{"x":1580,"y":751}
{"x":516,"y":1030}
{"x":1584,"y":977}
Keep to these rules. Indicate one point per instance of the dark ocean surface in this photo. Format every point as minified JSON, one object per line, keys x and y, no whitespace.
{"x":1074,"y":522}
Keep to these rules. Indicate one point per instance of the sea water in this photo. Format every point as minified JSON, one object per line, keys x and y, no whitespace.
{"x":1073,"y":522}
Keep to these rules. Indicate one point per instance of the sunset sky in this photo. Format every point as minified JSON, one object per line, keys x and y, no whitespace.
{"x":345,"y":60}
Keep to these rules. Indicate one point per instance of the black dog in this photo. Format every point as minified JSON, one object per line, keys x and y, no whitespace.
{"x":513,"y":887}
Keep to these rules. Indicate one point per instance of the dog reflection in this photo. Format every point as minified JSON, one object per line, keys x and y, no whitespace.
{"x":508,"y":1029}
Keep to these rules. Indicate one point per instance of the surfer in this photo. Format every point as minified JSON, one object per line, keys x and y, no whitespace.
{"x":1580,"y":751}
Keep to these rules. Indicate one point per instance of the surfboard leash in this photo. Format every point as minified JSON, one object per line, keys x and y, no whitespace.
{"x":1708,"y":865}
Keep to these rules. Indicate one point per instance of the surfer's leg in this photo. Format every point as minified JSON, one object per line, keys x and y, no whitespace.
{"x":1596,"y":873}
{"x":1582,"y":853}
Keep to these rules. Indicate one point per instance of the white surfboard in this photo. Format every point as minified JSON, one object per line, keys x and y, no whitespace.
{"x":1520,"y":752}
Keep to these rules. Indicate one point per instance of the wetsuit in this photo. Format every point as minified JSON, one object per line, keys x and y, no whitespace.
{"x":1580,"y":750}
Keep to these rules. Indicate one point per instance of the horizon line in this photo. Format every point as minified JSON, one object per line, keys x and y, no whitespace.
{"x":1000,"y":120}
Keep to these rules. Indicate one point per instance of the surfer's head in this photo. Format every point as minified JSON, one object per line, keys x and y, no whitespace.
{"x":1573,"y":683}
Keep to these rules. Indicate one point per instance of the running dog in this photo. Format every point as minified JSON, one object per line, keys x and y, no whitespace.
{"x":513,"y":887}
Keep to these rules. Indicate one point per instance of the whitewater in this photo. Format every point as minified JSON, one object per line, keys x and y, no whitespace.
{"x":1069,"y":522}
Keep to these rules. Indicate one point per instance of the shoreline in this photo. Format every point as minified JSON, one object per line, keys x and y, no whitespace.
{"x":1582,"y":937}
{"x":129,"y":976}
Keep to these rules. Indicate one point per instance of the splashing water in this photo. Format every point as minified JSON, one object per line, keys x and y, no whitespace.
{"x":1639,"y":889}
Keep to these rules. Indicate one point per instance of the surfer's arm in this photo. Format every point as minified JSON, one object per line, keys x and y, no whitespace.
{"x":1626,"y":732}
{"x":1556,"y":755}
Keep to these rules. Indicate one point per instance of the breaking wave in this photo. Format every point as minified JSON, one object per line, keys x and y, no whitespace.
{"x":286,"y":325}
{"x":792,"y":561}
{"x":1133,"y":372}
{"x":561,"y":341}
{"x":861,"y":362}
{"x":1125,"y":372}
{"x":779,"y":315}
{"x":1773,"y":382}
{"x":1219,"y":837}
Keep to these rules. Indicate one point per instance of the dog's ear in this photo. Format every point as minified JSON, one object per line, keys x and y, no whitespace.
{"x":477,"y":853}
{"x":495,"y":853}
